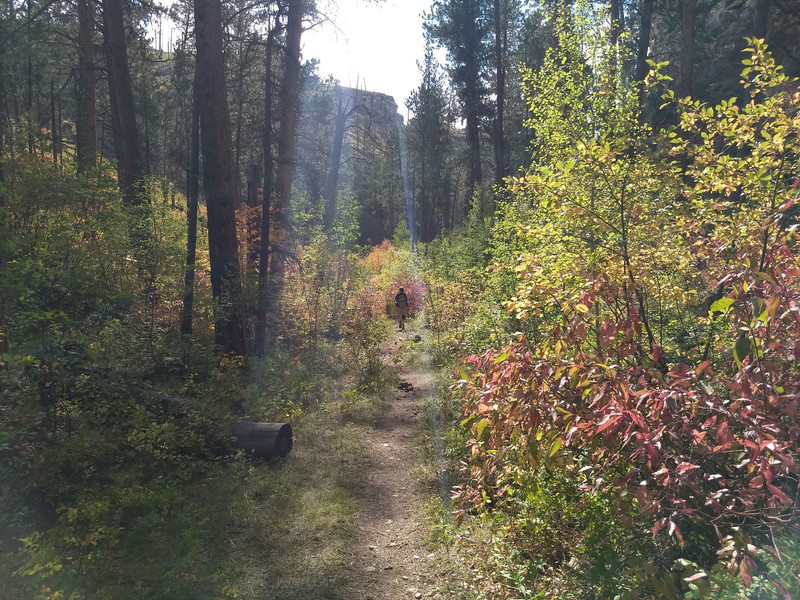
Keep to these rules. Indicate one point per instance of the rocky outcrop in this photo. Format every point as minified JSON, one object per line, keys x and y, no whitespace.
{"x":380,"y":109}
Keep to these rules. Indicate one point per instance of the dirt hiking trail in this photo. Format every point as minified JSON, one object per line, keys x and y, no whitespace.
{"x":391,"y":558}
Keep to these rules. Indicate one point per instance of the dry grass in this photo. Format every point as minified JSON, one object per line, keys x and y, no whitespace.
{"x":292,"y":529}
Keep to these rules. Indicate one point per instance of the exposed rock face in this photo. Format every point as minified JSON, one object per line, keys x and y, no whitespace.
{"x":381,"y":109}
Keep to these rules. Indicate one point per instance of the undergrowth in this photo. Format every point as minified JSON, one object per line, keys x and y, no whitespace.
{"x":116,"y":476}
{"x":293,"y":524}
{"x":628,"y":428}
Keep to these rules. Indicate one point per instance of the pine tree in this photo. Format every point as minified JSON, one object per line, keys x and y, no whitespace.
{"x":219,"y":177}
{"x":462,"y":28}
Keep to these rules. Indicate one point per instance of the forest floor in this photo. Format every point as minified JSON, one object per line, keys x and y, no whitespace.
{"x":352,"y":513}
{"x":392,"y":553}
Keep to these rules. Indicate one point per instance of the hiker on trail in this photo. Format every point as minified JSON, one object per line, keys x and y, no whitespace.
{"x":401,"y":308}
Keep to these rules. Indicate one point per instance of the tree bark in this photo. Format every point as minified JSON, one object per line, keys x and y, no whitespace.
{"x":473,"y":141}
{"x":616,"y":25}
{"x":688,"y":17}
{"x":219,"y":177}
{"x":499,"y":138}
{"x":165,"y":184}
{"x":123,"y":114}
{"x":86,"y":118}
{"x":60,"y":137}
{"x":761,"y":18}
{"x":29,"y":84}
{"x":253,"y":181}
{"x":336,"y":159}
{"x":146,"y":119}
{"x":279,"y":236}
{"x":3,"y":141}
{"x":644,"y":44}
{"x":53,"y":123}
{"x":192,"y":195}
{"x":239,"y":109}
{"x":253,"y":220}
{"x":266,"y":197}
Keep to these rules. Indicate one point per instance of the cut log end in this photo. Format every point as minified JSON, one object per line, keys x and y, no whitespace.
{"x":262,"y":440}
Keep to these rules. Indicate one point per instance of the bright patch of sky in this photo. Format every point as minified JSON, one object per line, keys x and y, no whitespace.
{"x":371,"y":45}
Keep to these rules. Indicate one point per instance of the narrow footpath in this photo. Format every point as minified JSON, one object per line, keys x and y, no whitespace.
{"x":391,"y":559}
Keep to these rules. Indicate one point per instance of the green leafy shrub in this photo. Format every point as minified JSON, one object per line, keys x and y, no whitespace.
{"x":676,"y":452}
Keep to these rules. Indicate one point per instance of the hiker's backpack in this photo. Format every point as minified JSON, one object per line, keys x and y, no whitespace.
{"x":401,"y":301}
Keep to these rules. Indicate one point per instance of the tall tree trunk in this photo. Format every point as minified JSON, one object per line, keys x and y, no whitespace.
{"x":446,"y":211}
{"x":253,"y":179}
{"x":336,"y":160}
{"x":421,"y":191}
{"x":239,"y":119}
{"x":644,"y":44}
{"x":219,"y":177}
{"x":499,"y":138}
{"x":473,"y":141}
{"x":37,"y":124}
{"x":192,"y":195}
{"x":29,"y":81}
{"x":286,"y":142}
{"x":86,"y":119}
{"x":165,"y":184}
{"x":3,"y":140}
{"x":60,"y":137}
{"x":616,"y":26}
{"x":53,"y":123}
{"x":123,"y":114}
{"x":253,"y":221}
{"x":688,"y":18}
{"x":12,"y":80}
{"x":3,"y":216}
{"x":146,"y":119}
{"x":266,"y":197}
{"x":472,"y":100}
{"x":314,"y":185}
{"x":761,"y":18}
{"x":615,"y":31}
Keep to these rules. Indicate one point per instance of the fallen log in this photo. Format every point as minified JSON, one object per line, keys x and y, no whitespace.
{"x":262,"y":440}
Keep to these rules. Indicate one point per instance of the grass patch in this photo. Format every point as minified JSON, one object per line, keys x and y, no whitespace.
{"x":293,"y":525}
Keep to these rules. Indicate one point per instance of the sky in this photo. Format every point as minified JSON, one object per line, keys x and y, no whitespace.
{"x":374,"y":45}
